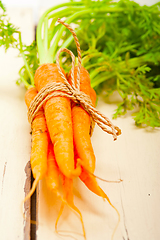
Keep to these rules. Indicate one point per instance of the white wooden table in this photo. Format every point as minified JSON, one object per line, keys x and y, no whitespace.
{"x":134,"y":158}
{"x":15,"y":139}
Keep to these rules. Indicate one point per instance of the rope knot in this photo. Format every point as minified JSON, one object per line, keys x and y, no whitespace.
{"x":76,"y":95}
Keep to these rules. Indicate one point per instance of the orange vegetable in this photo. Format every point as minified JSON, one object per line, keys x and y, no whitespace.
{"x":68,"y":199}
{"x":52,"y":174}
{"x":40,"y":140}
{"x":58,"y":118}
{"x":82,"y":122}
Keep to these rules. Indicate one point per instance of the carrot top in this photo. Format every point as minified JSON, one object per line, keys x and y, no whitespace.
{"x":124,"y":58}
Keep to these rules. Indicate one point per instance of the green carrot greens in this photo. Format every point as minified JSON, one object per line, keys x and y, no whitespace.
{"x":120,"y":43}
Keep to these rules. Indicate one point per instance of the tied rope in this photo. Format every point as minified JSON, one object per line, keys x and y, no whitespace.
{"x":71,"y":91}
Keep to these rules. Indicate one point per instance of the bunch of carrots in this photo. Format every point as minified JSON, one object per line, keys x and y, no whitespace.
{"x":61,"y":137}
{"x":61,"y":148}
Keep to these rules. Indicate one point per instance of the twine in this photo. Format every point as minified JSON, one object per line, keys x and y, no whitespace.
{"x":78,"y":51}
{"x":71,"y":91}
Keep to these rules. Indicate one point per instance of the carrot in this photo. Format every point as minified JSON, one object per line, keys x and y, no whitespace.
{"x":52,"y":174}
{"x":91,"y":183}
{"x":68,"y":199}
{"x":93,"y":97}
{"x":82,"y":122}
{"x":40,"y":140}
{"x":58,"y":117}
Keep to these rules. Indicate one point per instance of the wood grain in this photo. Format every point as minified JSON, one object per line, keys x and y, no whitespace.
{"x":15,"y":138}
{"x":134,"y":158}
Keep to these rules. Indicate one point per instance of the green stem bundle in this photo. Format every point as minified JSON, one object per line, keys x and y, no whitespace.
{"x":120,"y":43}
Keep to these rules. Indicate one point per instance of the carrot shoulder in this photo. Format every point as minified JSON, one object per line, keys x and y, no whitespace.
{"x":82,"y":122}
{"x":40,"y":140}
{"x":58,"y":117}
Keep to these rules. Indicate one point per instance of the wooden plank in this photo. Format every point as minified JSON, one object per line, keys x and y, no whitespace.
{"x":15,"y":138}
{"x":134,"y":158}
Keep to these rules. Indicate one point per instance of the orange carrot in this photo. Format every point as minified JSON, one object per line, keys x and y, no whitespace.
{"x":93,"y":98}
{"x":52,"y":174}
{"x":58,"y":118}
{"x":40,"y":140}
{"x":68,"y":199}
{"x":82,"y":122}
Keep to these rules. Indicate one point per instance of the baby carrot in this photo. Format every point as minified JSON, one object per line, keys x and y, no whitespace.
{"x":40,"y":139}
{"x":67,"y":184}
{"x":93,"y":98}
{"x":52,"y":174}
{"x":82,"y":122}
{"x":58,"y":117}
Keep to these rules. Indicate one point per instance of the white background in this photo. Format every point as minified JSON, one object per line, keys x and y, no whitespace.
{"x":38,"y":4}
